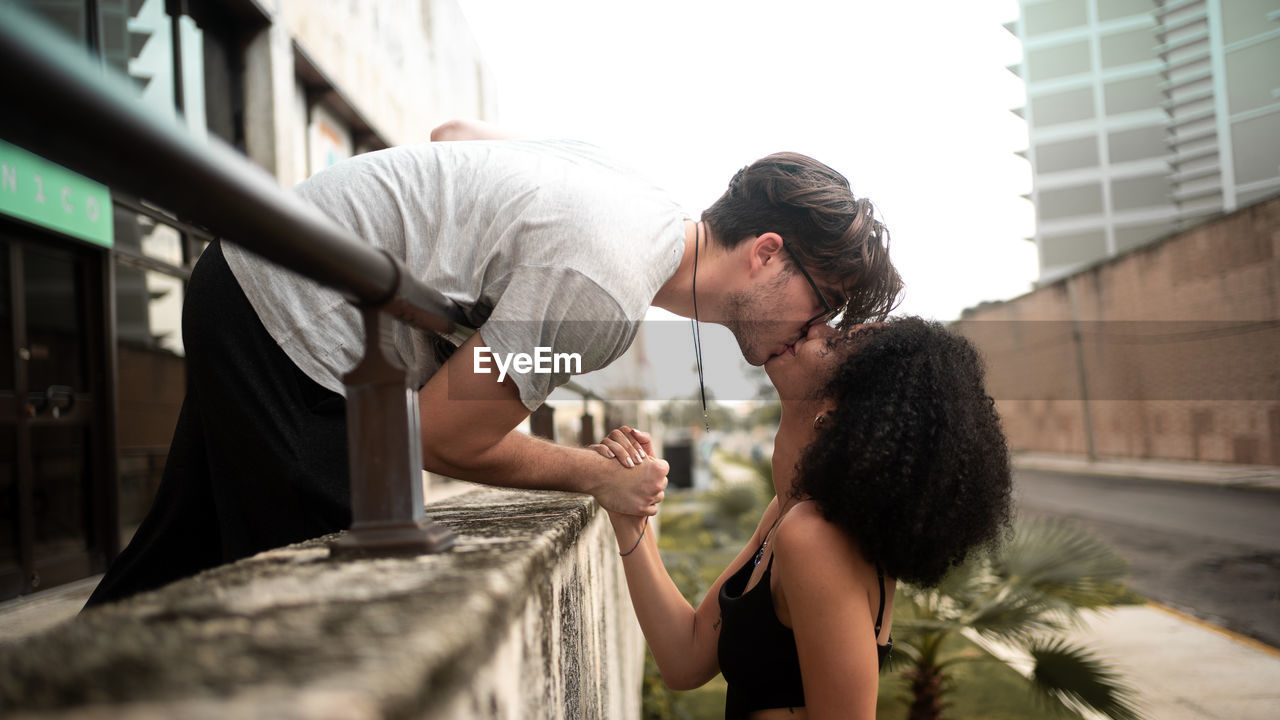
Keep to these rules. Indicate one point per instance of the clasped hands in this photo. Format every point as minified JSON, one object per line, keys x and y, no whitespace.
{"x":633,"y":450}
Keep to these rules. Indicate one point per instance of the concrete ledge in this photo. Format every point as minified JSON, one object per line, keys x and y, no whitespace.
{"x":528,"y":616}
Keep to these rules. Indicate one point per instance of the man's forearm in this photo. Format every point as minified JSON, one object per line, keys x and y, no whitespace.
{"x":528,"y":463}
{"x":525,"y":462}
{"x":468,"y":423}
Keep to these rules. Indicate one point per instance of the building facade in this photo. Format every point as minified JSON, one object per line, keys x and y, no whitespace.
{"x":91,"y":356}
{"x":1145,"y":117}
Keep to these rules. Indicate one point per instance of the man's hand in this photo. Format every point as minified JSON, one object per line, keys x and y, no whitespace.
{"x":632,"y":491}
{"x":643,"y":484}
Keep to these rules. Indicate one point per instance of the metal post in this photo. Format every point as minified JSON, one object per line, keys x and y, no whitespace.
{"x":385,"y":448}
{"x":542,"y":422}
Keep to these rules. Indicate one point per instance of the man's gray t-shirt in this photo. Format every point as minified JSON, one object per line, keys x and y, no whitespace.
{"x":538,"y":243}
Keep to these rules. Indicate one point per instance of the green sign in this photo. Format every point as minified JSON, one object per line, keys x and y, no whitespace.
{"x":52,"y":196}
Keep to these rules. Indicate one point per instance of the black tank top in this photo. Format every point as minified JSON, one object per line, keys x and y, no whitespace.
{"x":757,"y":653}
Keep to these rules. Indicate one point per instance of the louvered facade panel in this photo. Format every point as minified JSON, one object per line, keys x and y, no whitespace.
{"x":1144,"y":117}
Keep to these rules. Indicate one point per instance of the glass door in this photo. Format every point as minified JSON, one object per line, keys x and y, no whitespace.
{"x":12,"y":579}
{"x":50,"y":419}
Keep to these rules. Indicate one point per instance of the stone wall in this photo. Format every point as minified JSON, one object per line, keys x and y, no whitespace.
{"x":1171,"y":351}
{"x":526,"y":617}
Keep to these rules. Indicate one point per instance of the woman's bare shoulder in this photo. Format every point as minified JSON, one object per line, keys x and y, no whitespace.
{"x":807,"y":540}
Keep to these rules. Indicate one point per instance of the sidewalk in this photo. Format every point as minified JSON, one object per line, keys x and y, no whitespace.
{"x":1182,"y":668}
{"x":1258,"y":476}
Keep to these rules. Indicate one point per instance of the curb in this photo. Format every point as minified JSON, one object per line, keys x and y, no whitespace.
{"x":1245,"y":640}
{"x":1262,"y":477}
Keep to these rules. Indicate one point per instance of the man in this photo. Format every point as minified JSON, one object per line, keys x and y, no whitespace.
{"x":539,"y":244}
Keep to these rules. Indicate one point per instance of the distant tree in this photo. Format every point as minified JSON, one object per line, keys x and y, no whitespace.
{"x":1025,"y":595}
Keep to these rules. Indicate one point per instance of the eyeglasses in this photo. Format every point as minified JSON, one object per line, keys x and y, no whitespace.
{"x":828,"y":312}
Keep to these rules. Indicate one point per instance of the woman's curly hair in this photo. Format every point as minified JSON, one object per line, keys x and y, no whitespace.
{"x":912,"y":463}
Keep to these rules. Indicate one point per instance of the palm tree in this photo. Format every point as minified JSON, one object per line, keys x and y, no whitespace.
{"x":1024,"y":595}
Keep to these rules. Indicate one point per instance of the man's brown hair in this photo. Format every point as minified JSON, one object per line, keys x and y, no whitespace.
{"x":833,"y":234}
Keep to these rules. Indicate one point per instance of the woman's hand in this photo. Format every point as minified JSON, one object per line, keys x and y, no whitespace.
{"x":627,"y":445}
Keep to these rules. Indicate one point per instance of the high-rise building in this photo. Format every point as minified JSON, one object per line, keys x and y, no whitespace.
{"x":1145,"y":117}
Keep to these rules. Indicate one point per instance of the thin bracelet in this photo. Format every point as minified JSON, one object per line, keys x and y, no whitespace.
{"x":633,"y":547}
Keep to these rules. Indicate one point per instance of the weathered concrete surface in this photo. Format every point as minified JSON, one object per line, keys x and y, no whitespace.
{"x":527,"y":616}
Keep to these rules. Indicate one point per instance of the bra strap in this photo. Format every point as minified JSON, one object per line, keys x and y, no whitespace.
{"x":880,"y":612}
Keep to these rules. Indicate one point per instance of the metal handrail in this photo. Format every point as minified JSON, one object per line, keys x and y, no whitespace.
{"x":63,"y":104}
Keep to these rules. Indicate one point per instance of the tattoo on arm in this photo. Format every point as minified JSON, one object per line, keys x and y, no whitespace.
{"x":716,"y":626}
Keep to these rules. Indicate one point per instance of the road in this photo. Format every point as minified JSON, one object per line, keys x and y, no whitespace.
{"x":1211,"y":551}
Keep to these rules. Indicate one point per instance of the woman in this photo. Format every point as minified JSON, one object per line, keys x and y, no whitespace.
{"x":889,"y":463}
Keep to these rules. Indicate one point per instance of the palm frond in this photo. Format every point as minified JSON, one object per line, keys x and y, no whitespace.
{"x":1064,"y":562}
{"x":911,"y":627}
{"x":1077,"y":678}
{"x":966,"y":581}
{"x":1013,"y":616}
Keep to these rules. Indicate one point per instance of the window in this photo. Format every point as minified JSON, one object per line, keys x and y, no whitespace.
{"x":1137,"y":144}
{"x":70,"y":18}
{"x":1058,"y":61}
{"x":150,"y":274}
{"x":1132,"y":237}
{"x":1133,"y":94}
{"x":1243,"y":19}
{"x":224,"y":106}
{"x":1130,"y":47}
{"x":1113,"y":9}
{"x":1046,"y":17}
{"x":1067,"y":155}
{"x":1140,"y":192}
{"x":329,"y":140}
{"x":153,"y":258}
{"x":1068,"y":250}
{"x":1062,"y":107}
{"x":141,"y":234}
{"x":1060,"y":203}
{"x":1255,"y":150}
{"x":137,"y":40}
{"x":1253,"y":76}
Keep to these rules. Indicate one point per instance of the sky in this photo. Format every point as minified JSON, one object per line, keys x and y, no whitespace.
{"x":909,"y":100}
